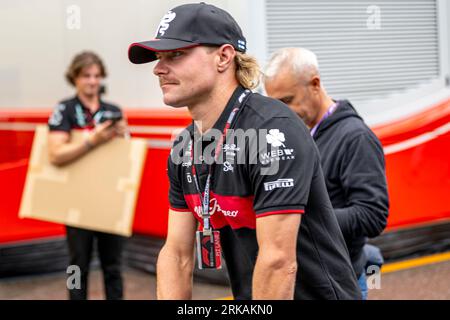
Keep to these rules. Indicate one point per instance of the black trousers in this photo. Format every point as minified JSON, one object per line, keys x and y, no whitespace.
{"x":109,"y":247}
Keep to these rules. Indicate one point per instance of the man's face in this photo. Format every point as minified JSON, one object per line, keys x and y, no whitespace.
{"x":187,"y":76}
{"x":89,"y":80}
{"x":297,"y":93}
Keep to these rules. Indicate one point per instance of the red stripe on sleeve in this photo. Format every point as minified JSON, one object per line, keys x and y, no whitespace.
{"x":180,"y":209}
{"x":288,"y":211}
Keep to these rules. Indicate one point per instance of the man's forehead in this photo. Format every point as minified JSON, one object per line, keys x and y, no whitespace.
{"x":282,"y":83}
{"x":90,"y":68}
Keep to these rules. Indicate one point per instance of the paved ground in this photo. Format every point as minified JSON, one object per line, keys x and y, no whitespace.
{"x":426,"y":282}
{"x":421,"y":283}
{"x":138,"y":286}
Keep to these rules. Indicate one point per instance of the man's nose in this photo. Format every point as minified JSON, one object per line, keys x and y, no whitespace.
{"x":93,"y":80}
{"x":160,"y":68}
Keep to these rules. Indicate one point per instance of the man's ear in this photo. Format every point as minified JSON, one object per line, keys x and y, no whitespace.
{"x":315,"y":84}
{"x":225,"y":54}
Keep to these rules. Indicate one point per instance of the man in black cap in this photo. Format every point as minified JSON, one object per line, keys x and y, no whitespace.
{"x":267,"y":212}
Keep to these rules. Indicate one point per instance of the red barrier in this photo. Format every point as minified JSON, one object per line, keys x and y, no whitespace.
{"x":12,"y":228}
{"x":419,"y":183}
{"x":417,"y":166}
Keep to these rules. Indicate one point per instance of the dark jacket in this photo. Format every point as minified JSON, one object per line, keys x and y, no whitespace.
{"x":354,"y":168}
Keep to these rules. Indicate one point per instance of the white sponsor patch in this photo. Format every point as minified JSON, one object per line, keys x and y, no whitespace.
{"x":230,"y":147}
{"x":275,"y":138}
{"x":56,"y":117}
{"x":280,"y":183}
{"x":276,"y":155}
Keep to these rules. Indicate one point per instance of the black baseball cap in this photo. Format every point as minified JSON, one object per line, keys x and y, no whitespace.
{"x":188,"y":26}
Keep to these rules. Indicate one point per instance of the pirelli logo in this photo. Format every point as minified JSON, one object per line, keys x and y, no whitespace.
{"x":280,"y":183}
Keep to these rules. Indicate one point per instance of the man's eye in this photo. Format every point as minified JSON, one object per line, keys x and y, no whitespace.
{"x":169,"y":55}
{"x":177,"y":54}
{"x":286,"y":100}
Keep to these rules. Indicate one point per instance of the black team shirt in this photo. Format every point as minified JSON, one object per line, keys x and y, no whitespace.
{"x":240,"y":194}
{"x":72,"y":114}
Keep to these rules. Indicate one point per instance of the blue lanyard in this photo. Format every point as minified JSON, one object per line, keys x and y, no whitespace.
{"x":81,"y":118}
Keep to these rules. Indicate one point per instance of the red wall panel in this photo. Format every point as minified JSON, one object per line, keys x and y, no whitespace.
{"x":418,"y":176}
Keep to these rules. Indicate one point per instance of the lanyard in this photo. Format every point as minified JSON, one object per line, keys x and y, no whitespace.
{"x":81,"y":119}
{"x":326,"y":115}
{"x":204,"y":200}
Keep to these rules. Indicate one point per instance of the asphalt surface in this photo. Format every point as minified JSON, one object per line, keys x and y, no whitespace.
{"x":430,"y":282}
{"x":425,"y":282}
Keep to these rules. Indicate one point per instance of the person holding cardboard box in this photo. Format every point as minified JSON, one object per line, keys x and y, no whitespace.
{"x":103,"y":122}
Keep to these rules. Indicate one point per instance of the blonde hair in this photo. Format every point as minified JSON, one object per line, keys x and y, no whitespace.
{"x":247,"y":70}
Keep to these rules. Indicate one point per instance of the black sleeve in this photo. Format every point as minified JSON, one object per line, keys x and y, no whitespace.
{"x":176,"y":194}
{"x":364,"y":182}
{"x":59,"y":119}
{"x":284,"y":188}
{"x":117,"y":108}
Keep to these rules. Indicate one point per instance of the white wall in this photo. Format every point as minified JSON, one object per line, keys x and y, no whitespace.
{"x":37,"y":46}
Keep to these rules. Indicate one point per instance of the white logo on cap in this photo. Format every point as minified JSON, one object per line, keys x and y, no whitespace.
{"x":164,"y":24}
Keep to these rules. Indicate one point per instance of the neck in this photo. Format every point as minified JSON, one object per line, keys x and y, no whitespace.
{"x":325,"y":103}
{"x":207,"y":112}
{"x":90,"y":101}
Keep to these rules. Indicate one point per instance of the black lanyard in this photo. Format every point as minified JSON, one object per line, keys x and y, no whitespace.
{"x":204,"y":200}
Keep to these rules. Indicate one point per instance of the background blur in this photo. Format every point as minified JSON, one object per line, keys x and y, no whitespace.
{"x":367,"y":49}
{"x":390,"y":58}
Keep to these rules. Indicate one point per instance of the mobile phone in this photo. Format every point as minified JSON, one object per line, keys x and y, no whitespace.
{"x":113,"y":116}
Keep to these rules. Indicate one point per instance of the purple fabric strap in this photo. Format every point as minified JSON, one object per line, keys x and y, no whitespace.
{"x":326,"y":115}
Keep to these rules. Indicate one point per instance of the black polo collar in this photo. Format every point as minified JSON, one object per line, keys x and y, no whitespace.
{"x":86,"y":109}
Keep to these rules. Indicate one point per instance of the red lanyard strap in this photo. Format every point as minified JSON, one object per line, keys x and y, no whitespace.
{"x":204,"y":200}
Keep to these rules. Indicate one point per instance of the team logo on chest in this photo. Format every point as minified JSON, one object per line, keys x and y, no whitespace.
{"x":276,"y":139}
{"x":230,"y":151}
{"x":214,"y":207}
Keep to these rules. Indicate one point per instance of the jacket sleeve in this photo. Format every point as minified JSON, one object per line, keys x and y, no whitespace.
{"x":363,"y":179}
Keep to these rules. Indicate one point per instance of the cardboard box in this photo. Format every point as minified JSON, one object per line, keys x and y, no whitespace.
{"x":98,"y":191}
